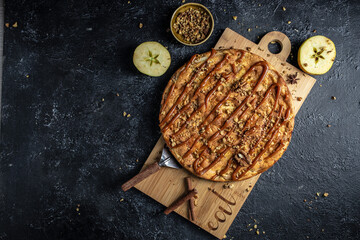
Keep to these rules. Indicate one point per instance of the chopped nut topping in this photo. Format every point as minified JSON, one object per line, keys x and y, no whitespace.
{"x":192,"y":25}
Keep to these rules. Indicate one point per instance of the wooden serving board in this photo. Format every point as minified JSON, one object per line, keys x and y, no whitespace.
{"x":217,"y":206}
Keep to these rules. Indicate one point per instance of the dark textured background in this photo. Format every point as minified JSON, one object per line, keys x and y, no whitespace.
{"x":63,"y":148}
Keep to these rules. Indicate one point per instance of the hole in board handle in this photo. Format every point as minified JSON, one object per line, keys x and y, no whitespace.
{"x":275,"y":47}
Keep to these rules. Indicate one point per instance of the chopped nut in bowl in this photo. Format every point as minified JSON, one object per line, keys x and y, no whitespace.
{"x":192,"y":24}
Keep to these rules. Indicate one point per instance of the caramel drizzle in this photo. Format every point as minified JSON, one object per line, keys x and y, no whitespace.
{"x":236,"y":171}
{"x":206,"y":102}
{"x":235,"y":113}
{"x":267,"y":145}
{"x":208,"y":96}
{"x":187,"y":86}
{"x":173,"y":87}
{"x":210,"y":114}
{"x":203,"y":83}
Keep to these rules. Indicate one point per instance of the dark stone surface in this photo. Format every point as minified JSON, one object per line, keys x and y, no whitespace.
{"x":63,"y":148}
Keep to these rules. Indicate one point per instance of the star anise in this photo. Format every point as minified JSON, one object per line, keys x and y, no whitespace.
{"x":292,"y":78}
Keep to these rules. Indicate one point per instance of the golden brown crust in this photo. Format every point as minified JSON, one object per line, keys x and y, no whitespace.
{"x":227,"y":115}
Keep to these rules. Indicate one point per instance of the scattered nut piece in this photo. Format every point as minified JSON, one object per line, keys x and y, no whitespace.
{"x":124,"y":114}
{"x":235,"y":17}
{"x":333,"y":98}
{"x":283,"y":8}
{"x":121,"y":200}
{"x":77,"y":209}
{"x":117,"y":94}
{"x":249,"y":30}
{"x":318,"y":193}
{"x":320,"y":85}
{"x":326,"y":194}
{"x":250,"y":229}
{"x":304,"y":200}
{"x":224,"y":236}
{"x":137,"y":160}
{"x":328,"y":125}
{"x":102,"y":99}
{"x":255,"y":226}
{"x":289,"y":22}
{"x":128,"y":115}
{"x":196,"y":202}
{"x":257,"y":232}
{"x":27,"y":76}
{"x":263,"y":232}
{"x":322,"y":230}
{"x":183,"y":1}
{"x":314,"y":31}
{"x":141,"y":25}
{"x":129,"y":2}
{"x":299,"y":98}
{"x":7,"y":25}
{"x":15,"y":25}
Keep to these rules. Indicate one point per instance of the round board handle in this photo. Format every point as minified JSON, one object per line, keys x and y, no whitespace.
{"x":280,"y":38}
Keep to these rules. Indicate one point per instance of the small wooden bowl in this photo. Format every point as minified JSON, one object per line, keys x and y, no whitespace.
{"x":183,"y":8}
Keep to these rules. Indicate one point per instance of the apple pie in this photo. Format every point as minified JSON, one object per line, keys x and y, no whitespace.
{"x":227,"y":115}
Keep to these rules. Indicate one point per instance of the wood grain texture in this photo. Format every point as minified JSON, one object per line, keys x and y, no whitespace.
{"x":216,"y":206}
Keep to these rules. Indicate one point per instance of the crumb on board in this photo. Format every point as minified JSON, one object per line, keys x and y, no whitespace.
{"x":289,"y":22}
{"x":326,"y":194}
{"x":117,"y":94}
{"x":328,"y":125}
{"x":124,"y":114}
{"x":121,"y":200}
{"x":7,"y":25}
{"x":333,"y":98}
{"x":15,"y":25}
{"x":234,"y":17}
{"x":249,"y":29}
{"x":141,"y":25}
{"x":318,"y":193}
{"x":128,"y":115}
{"x":284,"y":8}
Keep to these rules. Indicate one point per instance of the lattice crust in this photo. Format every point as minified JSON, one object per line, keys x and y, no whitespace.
{"x":227,"y":115}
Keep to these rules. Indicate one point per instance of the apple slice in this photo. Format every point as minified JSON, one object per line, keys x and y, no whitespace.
{"x":316,"y":55}
{"x":152,"y":58}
